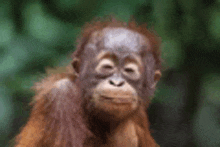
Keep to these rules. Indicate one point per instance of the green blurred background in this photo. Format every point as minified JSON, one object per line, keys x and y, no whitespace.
{"x":185,"y":112}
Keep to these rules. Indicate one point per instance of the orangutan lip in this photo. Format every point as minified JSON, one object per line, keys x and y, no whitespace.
{"x":117,"y":100}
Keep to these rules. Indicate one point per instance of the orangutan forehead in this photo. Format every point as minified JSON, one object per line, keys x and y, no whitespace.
{"x":121,"y":38}
{"x":118,"y":39}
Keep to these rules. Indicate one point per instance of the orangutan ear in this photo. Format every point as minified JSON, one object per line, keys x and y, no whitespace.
{"x":76,"y":65}
{"x":157,"y":75}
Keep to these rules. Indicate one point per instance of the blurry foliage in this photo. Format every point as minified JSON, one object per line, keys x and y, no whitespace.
{"x":210,"y":89}
{"x":206,"y":127}
{"x":38,"y":34}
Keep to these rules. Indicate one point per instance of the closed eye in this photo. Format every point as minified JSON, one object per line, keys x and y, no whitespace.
{"x":129,"y":70}
{"x":107,"y":66}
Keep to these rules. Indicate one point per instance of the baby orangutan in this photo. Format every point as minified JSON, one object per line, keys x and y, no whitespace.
{"x":101,"y":100}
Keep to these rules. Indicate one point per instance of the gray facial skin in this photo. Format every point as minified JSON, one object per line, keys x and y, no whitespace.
{"x":122,"y":39}
{"x":117,"y":39}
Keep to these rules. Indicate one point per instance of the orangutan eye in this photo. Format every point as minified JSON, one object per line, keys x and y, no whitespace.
{"x":131,"y":70}
{"x":105,"y":65}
